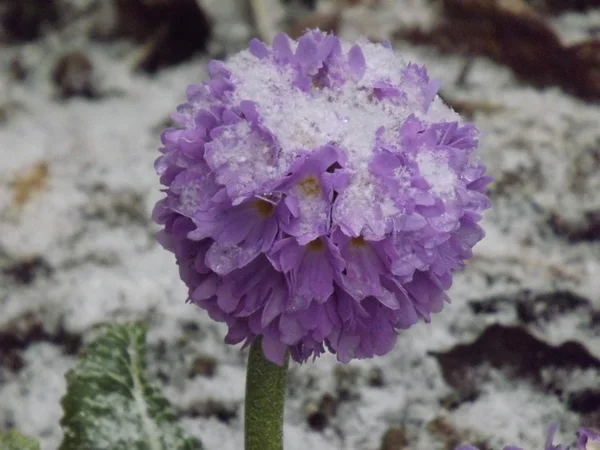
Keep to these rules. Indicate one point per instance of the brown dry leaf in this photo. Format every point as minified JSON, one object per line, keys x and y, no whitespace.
{"x":394,"y":439}
{"x":28,"y":329}
{"x":29,"y":183}
{"x":171,"y":30}
{"x":25,"y":270}
{"x":558,"y":6}
{"x":318,"y":416}
{"x":584,"y":70}
{"x":72,"y":76}
{"x":531,"y":307}
{"x":591,"y":420}
{"x":583,"y":229}
{"x":362,"y":2}
{"x":203,"y":365}
{"x":224,"y":412}
{"x":451,"y":437}
{"x":515,"y":352}
{"x":513,"y":33}
{"x":23,"y":21}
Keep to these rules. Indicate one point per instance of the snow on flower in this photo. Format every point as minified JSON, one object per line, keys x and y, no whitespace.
{"x":319,"y":194}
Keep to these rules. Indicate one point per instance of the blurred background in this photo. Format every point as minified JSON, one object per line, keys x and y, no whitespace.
{"x":86,"y":86}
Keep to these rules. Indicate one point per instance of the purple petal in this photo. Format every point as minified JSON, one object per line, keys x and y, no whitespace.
{"x":274,"y":307}
{"x":585,"y":437}
{"x":258,"y":49}
{"x":356,"y":62}
{"x":223,"y":259}
{"x":429,"y":93}
{"x":273,"y":349}
{"x":236,"y":163}
{"x":217,"y":69}
{"x":307,"y":56}
{"x":291,"y":330}
{"x":282,"y":50}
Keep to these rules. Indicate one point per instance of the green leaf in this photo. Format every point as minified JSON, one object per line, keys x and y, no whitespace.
{"x":111,"y":405}
{"x":13,"y":440}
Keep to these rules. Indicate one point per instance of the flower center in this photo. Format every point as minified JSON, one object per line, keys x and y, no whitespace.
{"x":310,"y":186}
{"x":358,"y":242}
{"x":316,"y":245}
{"x":264,"y":208}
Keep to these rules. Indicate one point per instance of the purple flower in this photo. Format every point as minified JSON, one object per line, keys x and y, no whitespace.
{"x":586,"y":440}
{"x":550,"y":440}
{"x":470,"y":447}
{"x":320,"y":195}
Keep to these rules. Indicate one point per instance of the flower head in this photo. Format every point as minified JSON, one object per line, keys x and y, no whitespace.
{"x":320,"y":195}
{"x":586,"y":440}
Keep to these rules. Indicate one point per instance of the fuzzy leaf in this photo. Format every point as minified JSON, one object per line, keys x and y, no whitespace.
{"x":111,"y":405}
{"x":13,"y":440}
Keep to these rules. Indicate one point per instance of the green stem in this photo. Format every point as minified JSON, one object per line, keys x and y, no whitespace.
{"x":265,"y":397}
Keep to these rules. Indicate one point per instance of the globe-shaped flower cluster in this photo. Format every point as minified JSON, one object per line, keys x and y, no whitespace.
{"x":320,"y":195}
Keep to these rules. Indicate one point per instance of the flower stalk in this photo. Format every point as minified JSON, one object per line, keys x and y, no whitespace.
{"x":265,"y":398}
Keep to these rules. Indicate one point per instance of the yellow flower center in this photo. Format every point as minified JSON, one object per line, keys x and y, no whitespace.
{"x":310,"y":186}
{"x":316,"y":245}
{"x":358,"y":242}
{"x":264,"y":208}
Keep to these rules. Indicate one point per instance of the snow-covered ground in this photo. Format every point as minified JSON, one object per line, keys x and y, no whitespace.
{"x":88,"y":166}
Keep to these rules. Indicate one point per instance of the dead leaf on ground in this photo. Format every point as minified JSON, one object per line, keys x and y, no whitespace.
{"x":591,"y":420}
{"x":530,"y":307}
{"x":203,"y":365}
{"x":451,"y":436}
{"x":25,"y":270}
{"x":170,"y":31}
{"x":223,"y":411}
{"x":29,"y":183}
{"x":585,"y":401}
{"x":73,"y":76}
{"x":513,"y":33}
{"x":318,"y":416}
{"x":394,"y":439}
{"x":559,"y":6}
{"x":311,"y":4}
{"x":583,"y":229}
{"x":513,"y":351}
{"x":24,"y":20}
{"x":26,"y":330}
